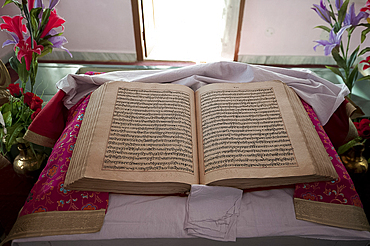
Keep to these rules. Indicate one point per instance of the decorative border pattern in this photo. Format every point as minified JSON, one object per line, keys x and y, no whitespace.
{"x":331,"y":214}
{"x":57,"y":223}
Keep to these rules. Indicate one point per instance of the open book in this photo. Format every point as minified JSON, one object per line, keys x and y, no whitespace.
{"x":149,"y":138}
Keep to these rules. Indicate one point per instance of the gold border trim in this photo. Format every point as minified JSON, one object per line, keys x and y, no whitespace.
{"x":339,"y":215}
{"x":39,"y":139}
{"x":57,"y":223}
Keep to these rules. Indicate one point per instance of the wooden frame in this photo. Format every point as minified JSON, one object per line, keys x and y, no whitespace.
{"x":136,"y":10}
{"x":239,"y":31}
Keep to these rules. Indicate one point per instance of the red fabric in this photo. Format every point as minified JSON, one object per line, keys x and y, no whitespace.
{"x":338,"y":126}
{"x":339,"y":191}
{"x":50,"y":122}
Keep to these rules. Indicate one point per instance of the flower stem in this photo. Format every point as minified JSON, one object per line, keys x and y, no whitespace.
{"x":28,"y":18}
{"x":331,"y":8}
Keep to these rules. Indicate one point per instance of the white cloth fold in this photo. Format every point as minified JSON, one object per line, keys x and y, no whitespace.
{"x":324,"y":96}
{"x":212,"y":212}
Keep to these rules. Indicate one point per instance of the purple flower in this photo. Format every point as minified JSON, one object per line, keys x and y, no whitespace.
{"x":9,"y":41}
{"x":351,"y":18}
{"x":334,"y":40}
{"x":322,"y":11}
{"x":53,"y":3}
{"x":338,"y":4}
{"x":38,"y":4}
{"x":58,"y":41}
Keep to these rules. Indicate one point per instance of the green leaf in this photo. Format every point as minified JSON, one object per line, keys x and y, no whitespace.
{"x":12,"y":1}
{"x":332,"y":15}
{"x":8,"y":118}
{"x":353,"y":57}
{"x":337,"y":27}
{"x":367,"y":49}
{"x":44,"y":42}
{"x":364,"y":24}
{"x":353,"y":77}
{"x":336,"y":71}
{"x":12,"y":134}
{"x":364,"y":33}
{"x":345,"y":147}
{"x":34,"y":16}
{"x":342,"y":12}
{"x":364,"y":78}
{"x":2,"y":134}
{"x":6,"y":108}
{"x":340,"y":61}
{"x":44,"y":21}
{"x":324,"y":28}
{"x":26,"y":115}
{"x":46,"y":51}
{"x":14,"y":63}
{"x":22,"y":71}
{"x":33,"y":73}
{"x":7,"y":2}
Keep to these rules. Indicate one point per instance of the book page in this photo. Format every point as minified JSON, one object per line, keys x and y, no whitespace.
{"x":148,"y":133}
{"x":244,"y":132}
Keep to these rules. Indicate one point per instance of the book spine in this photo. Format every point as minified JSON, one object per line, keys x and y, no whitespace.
{"x":317,"y":150}
{"x":81,"y":151}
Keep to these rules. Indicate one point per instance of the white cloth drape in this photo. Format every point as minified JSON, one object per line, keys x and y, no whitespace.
{"x":322,"y":95}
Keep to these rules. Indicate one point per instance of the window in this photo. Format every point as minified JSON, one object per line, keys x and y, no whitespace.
{"x":191,"y":30}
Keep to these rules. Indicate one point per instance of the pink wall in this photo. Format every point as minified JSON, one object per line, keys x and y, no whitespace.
{"x":7,"y":51}
{"x":283,"y":28}
{"x":104,"y":26}
{"x":270,"y":27}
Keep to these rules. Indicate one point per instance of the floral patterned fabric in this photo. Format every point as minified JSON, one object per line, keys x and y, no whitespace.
{"x":48,"y":193}
{"x":339,"y":191}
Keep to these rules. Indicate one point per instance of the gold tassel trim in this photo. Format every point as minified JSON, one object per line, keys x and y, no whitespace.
{"x":57,"y":223}
{"x":339,"y":215}
{"x":39,"y":139}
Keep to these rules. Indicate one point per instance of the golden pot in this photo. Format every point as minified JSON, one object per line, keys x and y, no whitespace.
{"x":26,"y":162}
{"x":354,"y":161}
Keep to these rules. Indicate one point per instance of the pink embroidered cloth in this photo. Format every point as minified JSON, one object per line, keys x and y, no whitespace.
{"x":339,"y":191}
{"x":48,"y":193}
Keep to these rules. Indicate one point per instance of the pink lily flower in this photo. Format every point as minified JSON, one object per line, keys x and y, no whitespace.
{"x":26,"y":51}
{"x":14,"y":25}
{"x":54,"y":22}
{"x":366,"y":7}
{"x":31,"y":4}
{"x":367,"y":63}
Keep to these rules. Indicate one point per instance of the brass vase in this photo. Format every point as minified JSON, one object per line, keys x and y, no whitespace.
{"x":354,"y":161}
{"x":27,"y":162}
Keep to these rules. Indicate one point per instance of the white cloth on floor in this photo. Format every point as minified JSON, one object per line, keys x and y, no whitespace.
{"x":324,"y":96}
{"x":212,"y":212}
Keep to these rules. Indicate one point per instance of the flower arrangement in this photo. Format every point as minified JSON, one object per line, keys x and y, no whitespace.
{"x":18,"y":115}
{"x":35,"y":32}
{"x":363,"y":129}
{"x":342,"y":19}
